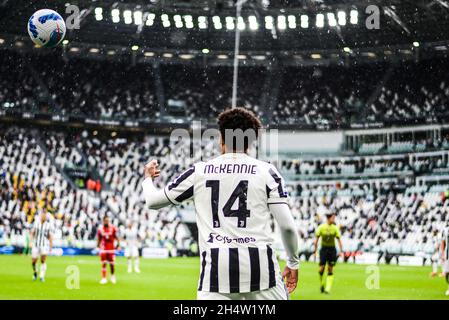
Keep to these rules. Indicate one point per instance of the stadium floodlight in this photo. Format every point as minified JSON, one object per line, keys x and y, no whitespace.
{"x":74,"y":49}
{"x":320,"y":20}
{"x":138,"y":17}
{"x":65,"y":42}
{"x":134,"y":48}
{"x":178,"y":21}
{"x":149,"y":54}
{"x":354,"y":17}
{"x":416,"y":44}
{"x":315,"y":56}
{"x":217,"y":22}
{"x":111,"y":52}
{"x":282,"y":23}
{"x":304,"y":21}
{"x":186,"y":56}
{"x":241,"y":24}
{"x":253,"y":24}
{"x":2,"y":41}
{"x":331,"y":19}
{"x":269,"y":22}
{"x":341,"y":15}
{"x":205,"y":51}
{"x":94,"y":50}
{"x":168,"y":55}
{"x":202,"y":22}
{"x":230,"y":23}
{"x":188,"y":21}
{"x":98,"y":13}
{"x":165,"y":20}
{"x":291,"y":22}
{"x":222,"y":56}
{"x":150,"y":19}
{"x":127,"y":15}
{"x":347,"y":49}
{"x":241,"y":57}
{"x":115,"y":14}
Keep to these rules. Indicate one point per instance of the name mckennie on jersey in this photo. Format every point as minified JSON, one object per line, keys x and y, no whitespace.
{"x":232,"y":194}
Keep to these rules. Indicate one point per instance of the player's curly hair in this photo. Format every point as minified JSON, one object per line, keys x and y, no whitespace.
{"x":235,"y":119}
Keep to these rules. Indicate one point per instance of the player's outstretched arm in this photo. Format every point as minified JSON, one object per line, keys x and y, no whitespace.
{"x":154,"y":198}
{"x":284,"y":218}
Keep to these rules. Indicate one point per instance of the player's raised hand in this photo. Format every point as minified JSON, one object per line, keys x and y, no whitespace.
{"x":151,"y":169}
{"x":290,"y":277}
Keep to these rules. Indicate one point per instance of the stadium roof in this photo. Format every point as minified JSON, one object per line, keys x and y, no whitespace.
{"x":295,"y":31}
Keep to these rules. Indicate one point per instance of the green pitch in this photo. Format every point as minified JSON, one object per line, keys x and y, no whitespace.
{"x":177,"y":279}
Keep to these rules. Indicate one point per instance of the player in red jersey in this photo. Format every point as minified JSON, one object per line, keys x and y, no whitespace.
{"x":107,"y":235}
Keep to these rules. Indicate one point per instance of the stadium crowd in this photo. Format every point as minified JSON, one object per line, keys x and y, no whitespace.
{"x":333,"y":95}
{"x":374,"y":215}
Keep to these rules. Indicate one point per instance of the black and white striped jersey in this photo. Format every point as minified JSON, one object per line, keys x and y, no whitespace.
{"x":41,"y":232}
{"x":445,"y":237}
{"x":232,"y":194}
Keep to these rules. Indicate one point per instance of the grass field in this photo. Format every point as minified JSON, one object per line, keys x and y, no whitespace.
{"x":177,"y":279}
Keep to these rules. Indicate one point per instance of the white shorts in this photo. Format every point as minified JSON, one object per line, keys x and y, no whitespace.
{"x":132,"y":252}
{"x":36,"y":252}
{"x":446,"y":266}
{"x":279,"y":292}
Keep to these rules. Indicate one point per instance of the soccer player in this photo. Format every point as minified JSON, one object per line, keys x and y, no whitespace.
{"x":445,"y":255}
{"x":107,"y":236}
{"x":41,"y":240}
{"x":132,"y":249}
{"x":234,"y":195}
{"x":436,"y":256}
{"x":328,"y":232}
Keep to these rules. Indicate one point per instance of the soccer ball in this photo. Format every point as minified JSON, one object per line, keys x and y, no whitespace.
{"x":46,"y":28}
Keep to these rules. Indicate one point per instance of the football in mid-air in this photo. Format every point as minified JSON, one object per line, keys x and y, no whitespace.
{"x":46,"y":28}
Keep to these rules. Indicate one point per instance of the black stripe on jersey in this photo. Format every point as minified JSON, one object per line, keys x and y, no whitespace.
{"x":278,"y":180}
{"x":271,"y":275}
{"x":181,"y":178}
{"x":255,"y":268}
{"x":214,"y":270}
{"x":185,"y":195}
{"x":41,"y":235}
{"x":267,"y":189}
{"x":169,"y":198}
{"x":203,"y":266}
{"x":234,"y":270}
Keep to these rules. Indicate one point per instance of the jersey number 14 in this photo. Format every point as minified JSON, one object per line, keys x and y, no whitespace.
{"x":240,"y":193}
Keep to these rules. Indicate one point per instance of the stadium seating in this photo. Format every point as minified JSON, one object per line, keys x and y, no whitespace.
{"x":307,"y":96}
{"x":374,"y":214}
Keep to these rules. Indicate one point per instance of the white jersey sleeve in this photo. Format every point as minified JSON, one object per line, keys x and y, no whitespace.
{"x":182,"y":187}
{"x":276,"y":191}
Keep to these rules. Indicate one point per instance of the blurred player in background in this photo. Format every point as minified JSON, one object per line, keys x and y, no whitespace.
{"x":234,"y":196}
{"x":41,"y":241}
{"x":445,"y":255}
{"x":132,"y":247}
{"x":436,"y":256}
{"x":107,"y":237}
{"x":328,"y":232}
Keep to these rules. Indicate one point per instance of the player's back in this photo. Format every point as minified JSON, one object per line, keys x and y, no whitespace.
{"x":232,"y":194}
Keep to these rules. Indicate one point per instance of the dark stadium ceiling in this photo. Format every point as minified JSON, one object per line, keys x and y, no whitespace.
{"x":298,"y":31}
